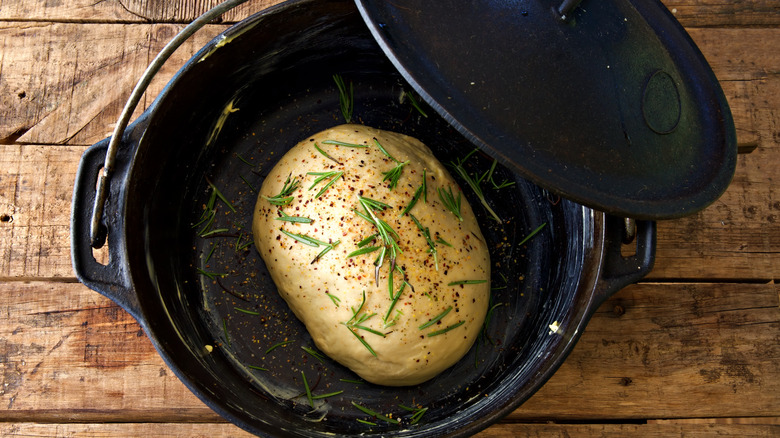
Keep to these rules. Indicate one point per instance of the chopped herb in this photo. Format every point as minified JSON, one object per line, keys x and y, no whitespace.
{"x":222,"y":197}
{"x":211,"y":275}
{"x":436,"y":318}
{"x":295,"y":219}
{"x":370,"y":423}
{"x":443,"y":242}
{"x":321,"y":176}
{"x":385,"y":232}
{"x":532,"y":234}
{"x":346,"y":98}
{"x":208,"y":257}
{"x":334,"y":298}
{"x":316,"y":146}
{"x":247,"y":183}
{"x":417,"y":413}
{"x":212,"y":232}
{"x":356,"y":321}
{"x":488,"y":317}
{"x":284,"y":198}
{"x":310,"y":241}
{"x":330,"y":394}
{"x":496,"y":186}
{"x":457,"y":283}
{"x":308,"y":390}
{"x":415,"y":104}
{"x":446,"y":329}
{"x":359,"y":382}
{"x":376,"y":415}
{"x":275,"y":346}
{"x":449,"y":201}
{"x":394,"y":174}
{"x":367,"y":240}
{"x":317,"y":355}
{"x":431,"y":246}
{"x":225,"y":331}
{"x":244,"y":160}
{"x":417,"y":193}
{"x":362,"y":251}
{"x":341,"y":143}
{"x":474,"y":183}
{"x":257,"y":368}
{"x":248,"y":312}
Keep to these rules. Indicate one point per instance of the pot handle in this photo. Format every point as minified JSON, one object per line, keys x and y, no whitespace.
{"x":112,"y":279}
{"x":618,"y":270}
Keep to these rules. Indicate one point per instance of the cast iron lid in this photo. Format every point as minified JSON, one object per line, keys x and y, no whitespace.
{"x":606,"y":102}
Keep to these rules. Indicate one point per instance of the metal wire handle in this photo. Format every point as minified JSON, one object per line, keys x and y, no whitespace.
{"x":97,"y":234}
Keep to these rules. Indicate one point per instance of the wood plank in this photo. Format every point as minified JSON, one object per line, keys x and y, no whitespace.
{"x":68,"y":354}
{"x":690,"y":13}
{"x":175,"y":430}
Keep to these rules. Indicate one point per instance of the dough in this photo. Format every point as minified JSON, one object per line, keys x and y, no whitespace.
{"x":416,"y":314}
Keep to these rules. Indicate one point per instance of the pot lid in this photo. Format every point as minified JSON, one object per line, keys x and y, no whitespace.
{"x":606,"y":102}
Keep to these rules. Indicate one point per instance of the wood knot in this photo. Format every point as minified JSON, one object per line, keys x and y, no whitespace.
{"x":618,"y":310}
{"x":625,"y":381}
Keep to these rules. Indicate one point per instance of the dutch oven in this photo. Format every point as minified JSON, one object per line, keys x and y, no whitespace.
{"x":594,"y":114}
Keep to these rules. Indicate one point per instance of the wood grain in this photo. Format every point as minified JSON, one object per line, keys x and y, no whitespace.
{"x":211,"y":430}
{"x":690,"y":13}
{"x":68,"y":353}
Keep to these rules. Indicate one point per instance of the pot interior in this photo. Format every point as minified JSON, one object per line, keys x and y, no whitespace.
{"x":209,"y":304}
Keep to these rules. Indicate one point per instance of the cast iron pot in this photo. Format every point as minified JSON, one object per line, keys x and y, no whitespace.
{"x":186,"y":286}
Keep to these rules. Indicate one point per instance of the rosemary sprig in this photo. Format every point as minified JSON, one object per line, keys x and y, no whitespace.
{"x":248,"y":312}
{"x":317,"y":355}
{"x":393,"y":174}
{"x":284,"y":198}
{"x":251,"y":187}
{"x":356,"y":322}
{"x":341,"y":143}
{"x":277,"y":345}
{"x":210,"y":275}
{"x":308,"y":390}
{"x":225,"y":332}
{"x":374,"y":414}
{"x":416,"y":413}
{"x":257,"y":368}
{"x":310,"y":241}
{"x":346,"y":98}
{"x":422,"y":190}
{"x":532,"y":234}
{"x":449,"y":201}
{"x":431,"y":245}
{"x":336,"y":300}
{"x":321,"y":176}
{"x":460,"y":282}
{"x":316,"y":146}
{"x":222,"y":197}
{"x":439,"y":239}
{"x":436,"y":319}
{"x":474,"y":183}
{"x":446,"y":329}
{"x":295,"y":219}
{"x":415,"y":104}
{"x":244,"y":160}
{"x":386,"y":234}
{"x":497,"y":186}
{"x":361,"y":251}
{"x":330,"y":394}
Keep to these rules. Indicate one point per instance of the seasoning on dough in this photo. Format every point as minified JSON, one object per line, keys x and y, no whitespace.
{"x":372,"y":246}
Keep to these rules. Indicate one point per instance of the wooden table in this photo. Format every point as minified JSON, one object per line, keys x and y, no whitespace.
{"x":694,"y":349}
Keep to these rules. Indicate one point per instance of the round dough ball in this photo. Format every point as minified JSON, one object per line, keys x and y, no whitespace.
{"x":395,"y":293}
